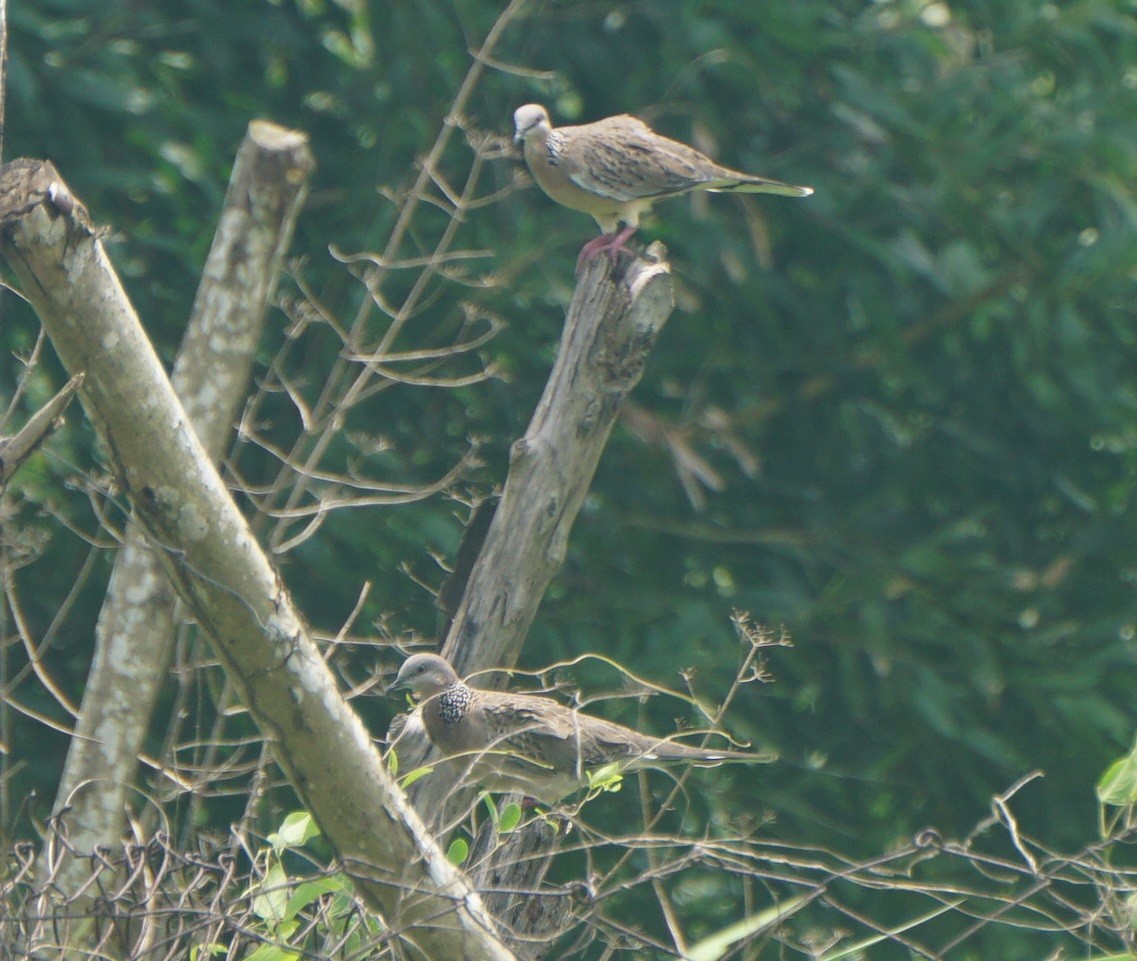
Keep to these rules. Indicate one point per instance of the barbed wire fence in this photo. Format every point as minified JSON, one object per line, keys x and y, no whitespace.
{"x":930,"y":898}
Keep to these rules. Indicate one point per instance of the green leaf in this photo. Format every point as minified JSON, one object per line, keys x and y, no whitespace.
{"x":414,"y":776}
{"x":458,"y":851}
{"x":198,"y":950}
{"x":393,"y":763}
{"x":309,"y":891}
{"x":272,"y":902}
{"x":606,"y":778}
{"x":1118,"y":785}
{"x":510,"y":818}
{"x":272,"y":952}
{"x":343,"y":903}
{"x":360,"y":941}
{"x":296,"y":830}
{"x":487,"y":800}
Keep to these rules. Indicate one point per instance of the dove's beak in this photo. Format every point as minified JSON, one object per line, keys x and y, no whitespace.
{"x":518,"y":137}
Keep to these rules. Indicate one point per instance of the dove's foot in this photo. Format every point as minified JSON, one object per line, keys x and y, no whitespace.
{"x":611,"y":244}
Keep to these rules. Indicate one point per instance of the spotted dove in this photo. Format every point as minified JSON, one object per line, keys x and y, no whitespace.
{"x":531,"y":743}
{"x":616,"y":168}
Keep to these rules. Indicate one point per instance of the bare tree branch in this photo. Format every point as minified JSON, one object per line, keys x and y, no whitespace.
{"x":225,"y":579}
{"x":136,"y":627}
{"x":16,"y":449}
{"x":612,"y":324}
{"x":610,"y":329}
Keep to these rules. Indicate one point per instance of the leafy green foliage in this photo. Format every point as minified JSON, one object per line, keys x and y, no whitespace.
{"x":458,"y":851}
{"x":1117,"y":787}
{"x":280,"y":901}
{"x":419,"y":772}
{"x":509,"y":818}
{"x":604,"y":780}
{"x":295,"y":831}
{"x":912,"y":393}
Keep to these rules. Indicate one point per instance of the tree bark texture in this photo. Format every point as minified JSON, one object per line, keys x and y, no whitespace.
{"x":221,"y":573}
{"x":137,"y":625}
{"x":612,"y":324}
{"x":616,"y":314}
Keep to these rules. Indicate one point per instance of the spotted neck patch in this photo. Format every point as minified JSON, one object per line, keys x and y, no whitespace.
{"x":453,"y":702}
{"x":553,"y":144}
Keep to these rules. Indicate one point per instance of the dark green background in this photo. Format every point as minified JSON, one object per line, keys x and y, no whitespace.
{"x":932,"y":361}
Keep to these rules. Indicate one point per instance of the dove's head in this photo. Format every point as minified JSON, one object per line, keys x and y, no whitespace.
{"x":530,"y":120}
{"x":425,"y":674}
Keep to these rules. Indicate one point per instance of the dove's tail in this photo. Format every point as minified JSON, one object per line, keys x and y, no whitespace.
{"x":671,"y":751}
{"x":745,"y":183}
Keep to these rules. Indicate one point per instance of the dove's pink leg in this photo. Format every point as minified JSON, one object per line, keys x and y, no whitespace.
{"x":612,"y":243}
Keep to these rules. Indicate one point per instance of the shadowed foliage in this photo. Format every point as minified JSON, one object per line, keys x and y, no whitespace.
{"x":898,"y":417}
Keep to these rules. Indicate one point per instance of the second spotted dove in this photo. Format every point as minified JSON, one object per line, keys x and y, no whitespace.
{"x":532,"y":743}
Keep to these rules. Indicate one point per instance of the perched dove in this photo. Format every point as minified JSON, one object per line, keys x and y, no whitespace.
{"x":530,"y":743}
{"x":616,"y":168}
